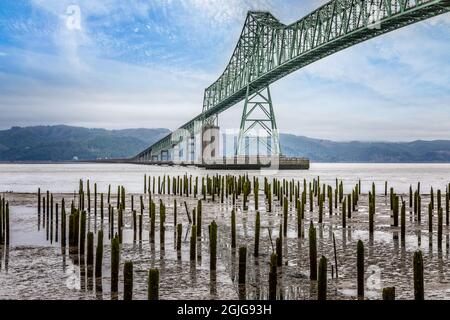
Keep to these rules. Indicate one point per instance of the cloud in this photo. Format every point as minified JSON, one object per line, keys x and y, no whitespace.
{"x":146,"y":63}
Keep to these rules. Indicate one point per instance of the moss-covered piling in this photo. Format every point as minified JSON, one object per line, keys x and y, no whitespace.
{"x":273,"y":277}
{"x":322,"y":279}
{"x":360,"y":268}
{"x":153,"y":284}
{"x":213,"y":245}
{"x":233,"y":229}
{"x":312,"y":252}
{"x":418,"y":276}
{"x":242,"y":265}
{"x":389,"y":293}
{"x":257,"y":233}
{"x":99,"y":254}
{"x":115,"y":260}
{"x":128,"y":280}
{"x":90,"y":249}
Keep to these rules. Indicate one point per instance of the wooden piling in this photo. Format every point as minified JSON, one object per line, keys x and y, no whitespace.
{"x":233,"y":229}
{"x":153,"y":284}
{"x":115,"y":260}
{"x":322,"y":280}
{"x":213,"y":245}
{"x":242,"y":265}
{"x":128,"y":280}
{"x":273,"y":277}
{"x":312,"y":252}
{"x":257,"y":233}
{"x":389,"y":293}
{"x":90,"y":249}
{"x":99,"y":254}
{"x":193,"y":242}
{"x":418,"y":276}
{"x":360,"y":268}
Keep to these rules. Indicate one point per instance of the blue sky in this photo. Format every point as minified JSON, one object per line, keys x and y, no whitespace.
{"x":139,"y":63}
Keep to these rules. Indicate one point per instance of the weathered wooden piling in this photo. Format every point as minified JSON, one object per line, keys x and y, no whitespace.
{"x":360,"y":268}
{"x":273,"y":277}
{"x":447,"y":205}
{"x":120,"y":223}
{"x":152,"y":221}
{"x":153,"y":284}
{"x":320,"y":209}
{"x":39,"y":201}
{"x":322,"y":279}
{"x":410,"y":197}
{"x":343,"y":214}
{"x":145,"y":183}
{"x":285,"y":216}
{"x":371,"y":213}
{"x":430,"y":217}
{"x":175,"y":213}
{"x":395,"y":209}
{"x":213,"y":245}
{"x":111,"y":222}
{"x":418,"y":276}
{"x":432,"y":198}
{"x":193,"y":242}
{"x":242,"y":265}
{"x":403,"y":222}
{"x":312,"y":252}
{"x":179,"y":235}
{"x":63,"y":225}
{"x":419,"y":207}
{"x":101,"y":209}
{"x":115,"y":260}
{"x":99,"y":254}
{"x":257,"y":233}
{"x":90,"y":249}
{"x":82,"y":234}
{"x":199,"y":218}
{"x":162,"y":220}
{"x":95,"y":201}
{"x":279,"y":251}
{"x":134,"y":215}
{"x":233,"y":229}
{"x":440,"y":222}
{"x":389,"y":293}
{"x":128,"y":280}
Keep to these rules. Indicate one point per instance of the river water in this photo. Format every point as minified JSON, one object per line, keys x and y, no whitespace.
{"x":33,"y":266}
{"x":65,"y":177}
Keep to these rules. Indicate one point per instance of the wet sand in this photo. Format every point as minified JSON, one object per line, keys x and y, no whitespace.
{"x":33,"y":267}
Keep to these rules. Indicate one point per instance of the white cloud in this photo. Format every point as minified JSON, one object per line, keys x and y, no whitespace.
{"x":366,"y":92}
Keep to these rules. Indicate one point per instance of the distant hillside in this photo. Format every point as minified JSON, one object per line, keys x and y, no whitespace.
{"x":57,"y":143}
{"x":356,"y":151}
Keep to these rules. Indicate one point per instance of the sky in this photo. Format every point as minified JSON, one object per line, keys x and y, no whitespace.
{"x":137,"y":63}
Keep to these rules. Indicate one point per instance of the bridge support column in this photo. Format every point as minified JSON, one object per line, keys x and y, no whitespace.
{"x":164,"y":155}
{"x":258,"y":114}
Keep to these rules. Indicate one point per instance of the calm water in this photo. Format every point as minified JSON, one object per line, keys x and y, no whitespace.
{"x":65,"y":177}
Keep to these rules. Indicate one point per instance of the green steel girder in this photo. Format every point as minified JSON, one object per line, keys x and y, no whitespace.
{"x":268,"y":50}
{"x":260,"y":101}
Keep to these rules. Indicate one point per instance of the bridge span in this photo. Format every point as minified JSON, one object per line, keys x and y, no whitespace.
{"x":268,"y":50}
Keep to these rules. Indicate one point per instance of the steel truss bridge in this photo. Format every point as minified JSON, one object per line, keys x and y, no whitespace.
{"x":268,"y":50}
